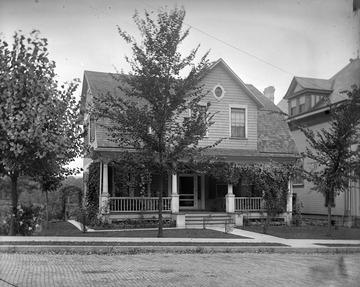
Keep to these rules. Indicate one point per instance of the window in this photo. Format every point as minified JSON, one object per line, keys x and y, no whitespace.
{"x":332,"y":199}
{"x":302,"y":104}
{"x":298,"y":178}
{"x":316,"y":99}
{"x":92,"y":129}
{"x":238,"y":123}
{"x":202,"y":112}
{"x":292,"y":107}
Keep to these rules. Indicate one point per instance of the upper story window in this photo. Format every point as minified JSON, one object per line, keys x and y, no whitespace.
{"x":315,"y":99}
{"x":302,"y":104}
{"x":238,"y":122}
{"x":92,"y":129}
{"x":293,"y":107}
{"x":203,"y":113}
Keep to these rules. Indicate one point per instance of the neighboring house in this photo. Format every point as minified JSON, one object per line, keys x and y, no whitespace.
{"x":254,"y":132}
{"x":308,"y":102}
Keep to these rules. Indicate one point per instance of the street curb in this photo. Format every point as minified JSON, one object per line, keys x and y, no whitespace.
{"x":170,"y":249}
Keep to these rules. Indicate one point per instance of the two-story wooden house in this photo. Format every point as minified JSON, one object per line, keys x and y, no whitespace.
{"x":248,"y":121}
{"x":308,"y":101}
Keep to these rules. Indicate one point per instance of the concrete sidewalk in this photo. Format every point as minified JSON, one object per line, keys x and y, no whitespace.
{"x":254,"y":241}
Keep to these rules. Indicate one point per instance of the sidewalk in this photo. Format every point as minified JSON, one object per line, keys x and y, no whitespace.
{"x":256,"y":243}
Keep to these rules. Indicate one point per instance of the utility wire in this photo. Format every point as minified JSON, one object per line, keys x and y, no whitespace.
{"x":215,"y":38}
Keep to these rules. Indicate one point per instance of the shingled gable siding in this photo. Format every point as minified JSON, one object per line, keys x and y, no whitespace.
{"x":235,"y":96}
{"x":102,"y":134}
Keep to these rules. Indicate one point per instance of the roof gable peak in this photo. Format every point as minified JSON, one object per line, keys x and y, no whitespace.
{"x":220,"y":61}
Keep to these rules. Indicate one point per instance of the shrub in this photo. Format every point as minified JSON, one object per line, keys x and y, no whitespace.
{"x":87,"y":216}
{"x":28,"y":221}
{"x":297,"y":219}
{"x":135,"y":223}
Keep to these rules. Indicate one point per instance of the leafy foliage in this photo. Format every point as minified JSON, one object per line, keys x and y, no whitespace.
{"x":92,"y":181}
{"x":28,"y":220}
{"x":335,"y":150}
{"x":270,"y":178}
{"x":149,"y":112}
{"x":39,"y":130}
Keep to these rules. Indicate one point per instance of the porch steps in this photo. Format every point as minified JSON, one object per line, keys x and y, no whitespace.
{"x":196,"y":220}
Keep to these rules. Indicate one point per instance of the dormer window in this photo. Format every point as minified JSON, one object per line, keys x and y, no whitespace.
{"x":302,"y":104}
{"x":293,"y":107}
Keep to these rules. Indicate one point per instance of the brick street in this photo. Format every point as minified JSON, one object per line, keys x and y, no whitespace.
{"x":164,"y":269}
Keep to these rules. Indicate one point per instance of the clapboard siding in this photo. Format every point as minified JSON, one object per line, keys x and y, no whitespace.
{"x":313,"y":201}
{"x":235,"y":95}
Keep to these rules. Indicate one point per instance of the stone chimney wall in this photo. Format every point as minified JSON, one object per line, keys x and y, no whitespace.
{"x":269,"y":93}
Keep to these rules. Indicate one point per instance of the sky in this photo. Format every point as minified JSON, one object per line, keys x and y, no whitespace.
{"x":265,"y":42}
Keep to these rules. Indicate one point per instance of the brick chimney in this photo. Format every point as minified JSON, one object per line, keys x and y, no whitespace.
{"x":269,"y":93}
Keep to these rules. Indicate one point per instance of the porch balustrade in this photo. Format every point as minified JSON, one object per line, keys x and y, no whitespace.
{"x":249,"y":204}
{"x":138,"y":204}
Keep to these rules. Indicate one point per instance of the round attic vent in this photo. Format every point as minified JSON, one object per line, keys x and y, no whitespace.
{"x":218,"y":92}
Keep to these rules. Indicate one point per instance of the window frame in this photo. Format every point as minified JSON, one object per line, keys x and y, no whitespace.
{"x":293,"y":107}
{"x":299,"y":180}
{"x":92,"y":129}
{"x":238,"y":107}
{"x":302,"y":103}
{"x":203,"y":105}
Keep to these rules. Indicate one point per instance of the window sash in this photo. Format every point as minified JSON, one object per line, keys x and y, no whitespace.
{"x":238,"y":122}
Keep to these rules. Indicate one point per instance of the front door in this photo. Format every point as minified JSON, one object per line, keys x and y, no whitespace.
{"x":187,"y":191}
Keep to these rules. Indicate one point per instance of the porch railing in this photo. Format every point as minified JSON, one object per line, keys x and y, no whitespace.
{"x":249,"y":204}
{"x":137,"y":204}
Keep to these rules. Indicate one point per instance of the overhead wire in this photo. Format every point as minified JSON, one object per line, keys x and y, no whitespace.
{"x":215,"y":38}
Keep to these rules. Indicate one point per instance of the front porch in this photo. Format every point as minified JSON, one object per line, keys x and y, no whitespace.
{"x":184,"y":194}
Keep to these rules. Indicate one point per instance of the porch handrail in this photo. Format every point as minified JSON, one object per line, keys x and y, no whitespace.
{"x":249,"y":204}
{"x":138,"y":204}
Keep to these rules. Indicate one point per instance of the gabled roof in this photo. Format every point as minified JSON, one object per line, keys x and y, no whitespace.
{"x":267,"y":104}
{"x":237,"y":79}
{"x":274,"y":137}
{"x":314,"y":84}
{"x":300,"y":85}
{"x":341,"y":81}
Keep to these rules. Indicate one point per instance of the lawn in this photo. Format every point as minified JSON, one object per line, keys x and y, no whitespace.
{"x":63,"y":228}
{"x":308,"y":232}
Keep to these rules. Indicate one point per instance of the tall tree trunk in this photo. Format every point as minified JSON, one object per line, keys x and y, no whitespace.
{"x":330,"y":195}
{"x":329,"y":218}
{"x":160,"y":230}
{"x":47,"y":209}
{"x":14,"y":201}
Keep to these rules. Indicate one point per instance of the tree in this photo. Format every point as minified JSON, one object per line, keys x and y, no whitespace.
{"x":39,"y":124}
{"x":336,"y":149}
{"x":152,"y":114}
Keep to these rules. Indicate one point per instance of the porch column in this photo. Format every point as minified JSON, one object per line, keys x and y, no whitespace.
{"x":230,"y":199}
{"x":289,"y":203}
{"x":174,"y":194}
{"x":105,"y":209}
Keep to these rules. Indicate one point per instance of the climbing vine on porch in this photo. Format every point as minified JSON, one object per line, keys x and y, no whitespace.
{"x":92,"y":182}
{"x":133,"y":173}
{"x":271,"y":178}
